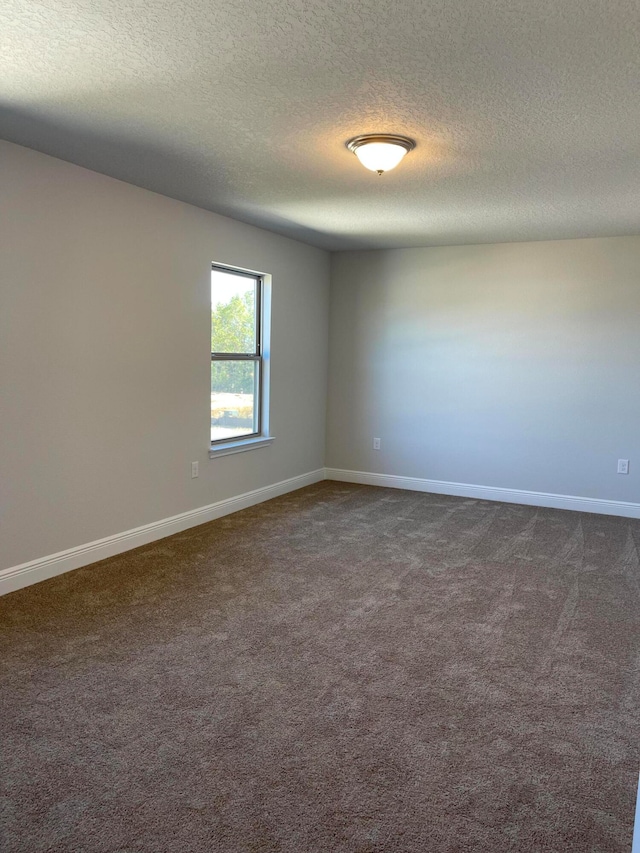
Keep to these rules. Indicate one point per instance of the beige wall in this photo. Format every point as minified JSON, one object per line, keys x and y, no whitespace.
{"x":104,"y":356}
{"x":512,"y":365}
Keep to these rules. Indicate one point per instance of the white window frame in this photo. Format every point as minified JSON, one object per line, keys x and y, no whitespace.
{"x":263,"y":437}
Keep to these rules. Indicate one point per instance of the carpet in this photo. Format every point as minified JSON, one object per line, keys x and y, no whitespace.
{"x":345,"y":668}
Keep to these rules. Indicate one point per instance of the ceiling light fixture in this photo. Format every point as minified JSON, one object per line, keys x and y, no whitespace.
{"x":380,"y":151}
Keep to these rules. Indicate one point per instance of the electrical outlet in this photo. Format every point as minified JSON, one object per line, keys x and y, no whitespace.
{"x":194,"y":470}
{"x":376,"y":444}
{"x":623,"y":466}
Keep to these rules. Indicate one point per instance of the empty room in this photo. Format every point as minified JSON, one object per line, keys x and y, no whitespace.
{"x":319,"y":426}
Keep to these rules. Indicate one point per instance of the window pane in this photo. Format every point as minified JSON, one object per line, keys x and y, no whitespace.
{"x":233,"y":312}
{"x":234,"y":398}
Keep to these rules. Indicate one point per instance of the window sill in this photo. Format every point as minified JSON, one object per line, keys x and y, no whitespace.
{"x":240,"y":446}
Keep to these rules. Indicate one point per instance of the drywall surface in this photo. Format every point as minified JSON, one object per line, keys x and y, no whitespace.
{"x":104,"y":356}
{"x":511,"y":365}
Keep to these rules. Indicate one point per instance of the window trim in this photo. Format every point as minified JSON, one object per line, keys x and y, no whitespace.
{"x":261,"y":357}
{"x":240,"y":445}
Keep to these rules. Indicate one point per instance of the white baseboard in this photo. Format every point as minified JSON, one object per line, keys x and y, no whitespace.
{"x":636,"y":826}
{"x":16,"y":577}
{"x":488,"y":493}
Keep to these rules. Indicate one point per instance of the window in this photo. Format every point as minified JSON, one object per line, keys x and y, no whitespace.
{"x":238,"y":363}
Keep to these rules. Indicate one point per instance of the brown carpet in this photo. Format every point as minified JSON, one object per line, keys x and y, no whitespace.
{"x":344,"y":668}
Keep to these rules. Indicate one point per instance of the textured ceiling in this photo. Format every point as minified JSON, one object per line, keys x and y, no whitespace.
{"x":526,"y":112}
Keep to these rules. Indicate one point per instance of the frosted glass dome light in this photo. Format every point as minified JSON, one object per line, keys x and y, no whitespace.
{"x":380,"y":152}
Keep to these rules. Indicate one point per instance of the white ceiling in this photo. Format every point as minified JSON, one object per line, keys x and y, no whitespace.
{"x":526,"y":112}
